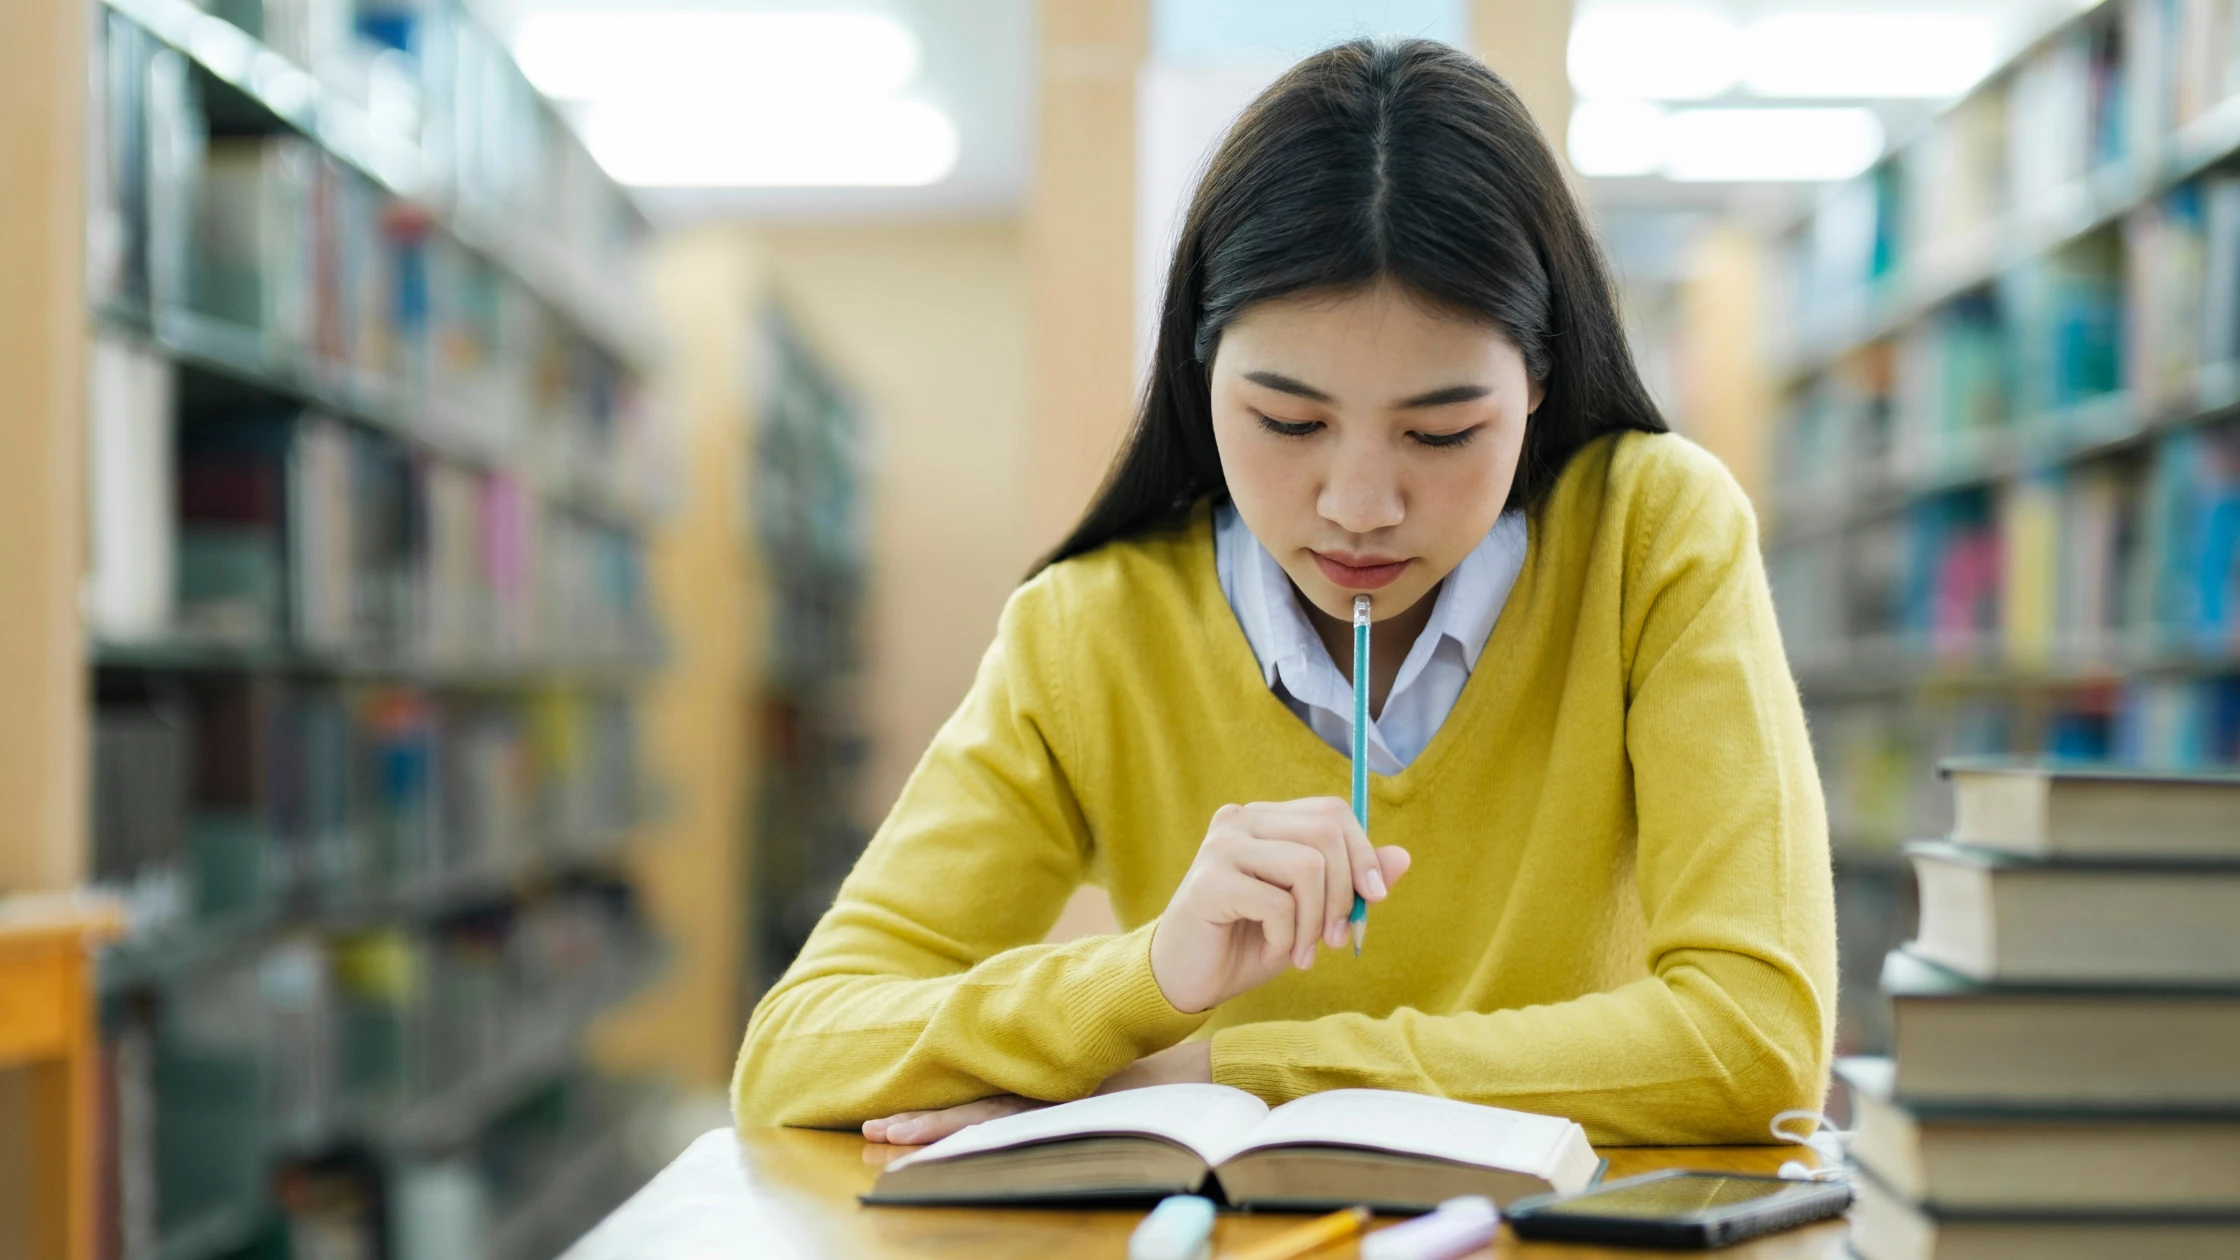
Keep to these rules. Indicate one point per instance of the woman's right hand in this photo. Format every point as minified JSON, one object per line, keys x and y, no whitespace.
{"x":1271,"y":883}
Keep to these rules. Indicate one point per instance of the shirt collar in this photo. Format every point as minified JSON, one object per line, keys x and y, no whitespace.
{"x":1467,"y":606}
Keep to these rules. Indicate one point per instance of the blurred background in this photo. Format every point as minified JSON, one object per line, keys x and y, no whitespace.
{"x":498,"y":495}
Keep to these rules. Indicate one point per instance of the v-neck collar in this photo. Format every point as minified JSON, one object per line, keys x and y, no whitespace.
{"x":1238,"y":666}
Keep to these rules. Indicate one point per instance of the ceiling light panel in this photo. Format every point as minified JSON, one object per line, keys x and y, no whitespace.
{"x":1764,"y":145}
{"x":866,"y":144}
{"x":714,"y":55}
{"x":1665,"y":52}
{"x":1868,"y":55}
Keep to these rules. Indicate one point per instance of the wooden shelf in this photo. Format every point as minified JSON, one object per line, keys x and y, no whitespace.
{"x":295,"y":97}
{"x":46,"y":1031}
{"x":2007,"y":241}
{"x":2090,"y":430}
{"x":195,"y":656}
{"x":1883,"y":668}
{"x":166,"y":955}
{"x":246,"y":357}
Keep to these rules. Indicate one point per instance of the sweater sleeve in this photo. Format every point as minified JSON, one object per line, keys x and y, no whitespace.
{"x":1735,"y":1020}
{"x":924,"y":986}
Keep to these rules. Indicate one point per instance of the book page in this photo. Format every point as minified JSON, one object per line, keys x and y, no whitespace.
{"x":1414,"y":1124}
{"x":1203,"y":1118}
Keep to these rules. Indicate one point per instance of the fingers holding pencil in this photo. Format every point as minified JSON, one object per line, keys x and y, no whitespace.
{"x":1260,"y":899}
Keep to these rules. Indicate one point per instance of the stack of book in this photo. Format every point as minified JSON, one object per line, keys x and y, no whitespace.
{"x":2067,"y":1026}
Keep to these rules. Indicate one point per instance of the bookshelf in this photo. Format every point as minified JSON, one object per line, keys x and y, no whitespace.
{"x":2005,"y":487}
{"x":811,"y":524}
{"x":353,"y":570}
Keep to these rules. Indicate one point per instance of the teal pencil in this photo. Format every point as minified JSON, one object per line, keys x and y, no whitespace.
{"x":1358,"y":921}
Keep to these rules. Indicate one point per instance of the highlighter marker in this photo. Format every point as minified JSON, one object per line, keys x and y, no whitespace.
{"x":1459,"y":1227}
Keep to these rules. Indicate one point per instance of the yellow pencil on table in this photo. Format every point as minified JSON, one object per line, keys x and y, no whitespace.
{"x":1358,"y":921}
{"x":1317,"y":1233}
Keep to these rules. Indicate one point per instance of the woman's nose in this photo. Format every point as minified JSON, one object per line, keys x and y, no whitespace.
{"x":1361,"y":496}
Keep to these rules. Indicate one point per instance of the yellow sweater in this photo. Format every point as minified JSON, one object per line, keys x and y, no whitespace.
{"x":1620,"y":909}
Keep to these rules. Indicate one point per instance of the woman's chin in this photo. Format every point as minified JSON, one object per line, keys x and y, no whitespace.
{"x":1385,"y":603}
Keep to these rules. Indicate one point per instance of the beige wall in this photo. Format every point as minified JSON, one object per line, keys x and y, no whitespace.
{"x":928,"y":323}
{"x":1726,"y":395}
{"x":1525,"y":42}
{"x":1080,"y":240}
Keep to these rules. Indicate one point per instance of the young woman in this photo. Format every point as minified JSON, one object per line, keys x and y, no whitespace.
{"x":1389,"y":361}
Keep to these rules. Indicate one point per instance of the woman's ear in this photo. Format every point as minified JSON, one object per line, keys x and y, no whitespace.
{"x":1536,"y":391}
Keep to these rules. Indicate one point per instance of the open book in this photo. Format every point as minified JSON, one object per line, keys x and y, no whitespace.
{"x":1394,"y":1151}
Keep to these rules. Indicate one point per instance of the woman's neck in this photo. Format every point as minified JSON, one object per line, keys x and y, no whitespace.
{"x":1388,"y":647}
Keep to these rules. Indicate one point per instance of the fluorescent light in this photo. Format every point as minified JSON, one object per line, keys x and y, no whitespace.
{"x":710,"y":54}
{"x":1868,"y":55}
{"x":1609,"y":137}
{"x":850,"y":144}
{"x":1751,"y":145}
{"x":1663,"y":52}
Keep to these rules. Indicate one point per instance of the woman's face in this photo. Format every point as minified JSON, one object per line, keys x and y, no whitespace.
{"x":1369,"y":439}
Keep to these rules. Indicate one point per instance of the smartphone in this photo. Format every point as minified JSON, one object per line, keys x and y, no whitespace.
{"x":1677,"y":1209}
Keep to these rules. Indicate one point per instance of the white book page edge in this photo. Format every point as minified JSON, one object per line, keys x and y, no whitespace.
{"x":1414,"y":1124}
{"x":1203,"y":1118}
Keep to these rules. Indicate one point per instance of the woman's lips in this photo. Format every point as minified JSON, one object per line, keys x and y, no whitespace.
{"x":1359,"y":577}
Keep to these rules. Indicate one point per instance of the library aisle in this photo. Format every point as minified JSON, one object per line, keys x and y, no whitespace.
{"x":499,"y":493}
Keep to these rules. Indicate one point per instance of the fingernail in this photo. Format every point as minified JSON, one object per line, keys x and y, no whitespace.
{"x":1375,"y":882}
{"x":901,"y":1134}
{"x":1305,"y":959}
{"x":1334,"y":935}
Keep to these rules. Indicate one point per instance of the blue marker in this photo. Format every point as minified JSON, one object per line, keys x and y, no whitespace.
{"x":1180,"y":1228}
{"x":1358,"y":921}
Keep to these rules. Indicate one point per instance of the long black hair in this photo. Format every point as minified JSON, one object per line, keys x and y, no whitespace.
{"x":1405,"y":160}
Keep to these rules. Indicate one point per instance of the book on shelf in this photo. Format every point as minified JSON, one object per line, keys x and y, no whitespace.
{"x":130,"y":584}
{"x":1398,"y":1151}
{"x":250,"y":255}
{"x":1995,"y":917}
{"x":141,"y":787}
{"x":1952,"y":385}
{"x":1884,"y":1226}
{"x":2065,"y":110}
{"x":1955,"y":173}
{"x":2029,"y":553}
{"x":2179,"y":721}
{"x":2130,"y":1047}
{"x":227,"y":797}
{"x":2035,"y":809}
{"x":325,"y":1050}
{"x":2166,"y":249}
{"x":2195,"y":528}
{"x":2067,"y":313}
{"x":232,"y":531}
{"x":1971,"y":1157}
{"x":322,"y":548}
{"x":2220,"y":270}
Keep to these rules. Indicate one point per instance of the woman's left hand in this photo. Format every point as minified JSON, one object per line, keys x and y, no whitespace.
{"x":1189,"y":1061}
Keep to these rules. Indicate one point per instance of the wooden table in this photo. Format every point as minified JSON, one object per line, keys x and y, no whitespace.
{"x":48,"y":1046}
{"x":791,"y":1193}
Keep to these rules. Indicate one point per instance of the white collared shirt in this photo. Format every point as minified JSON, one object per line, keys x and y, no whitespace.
{"x":1299,"y":669}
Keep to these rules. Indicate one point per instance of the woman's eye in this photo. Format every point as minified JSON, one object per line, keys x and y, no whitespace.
{"x":1289,"y":428}
{"x":1456,"y":438}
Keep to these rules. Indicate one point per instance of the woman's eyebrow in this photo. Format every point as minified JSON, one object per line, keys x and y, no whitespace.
{"x":1283,"y":384}
{"x":1443,"y":397}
